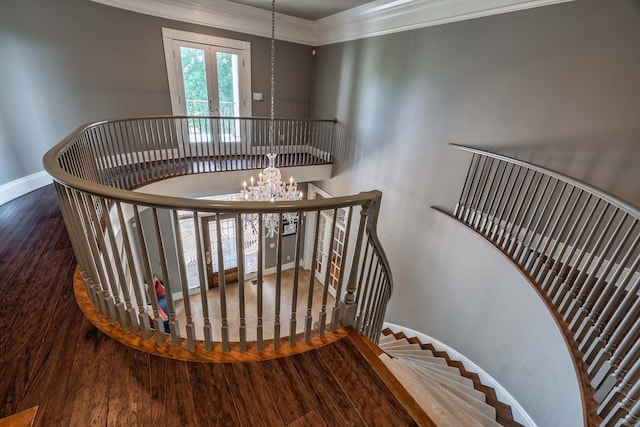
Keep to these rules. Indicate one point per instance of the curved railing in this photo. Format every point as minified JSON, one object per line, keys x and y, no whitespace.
{"x":179,"y":269}
{"x":581,"y":247}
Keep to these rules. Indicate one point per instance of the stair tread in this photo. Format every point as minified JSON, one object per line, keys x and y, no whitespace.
{"x":473,"y":397}
{"x":433,"y":366}
{"x":401,"y":345}
{"x":449,"y":380}
{"x":387,"y":339}
{"x":421,"y":354}
{"x":448,"y":375}
{"x":437,"y":364}
{"x":485,"y":417}
{"x":442,"y":412}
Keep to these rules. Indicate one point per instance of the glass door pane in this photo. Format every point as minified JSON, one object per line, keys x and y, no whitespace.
{"x":228,"y":95}
{"x":336,"y":258}
{"x":200,"y":96}
{"x":228,"y":243}
{"x":190,"y":252}
{"x":251,"y":242}
{"x":323,"y":227}
{"x":194,"y":75}
{"x":228,"y":84}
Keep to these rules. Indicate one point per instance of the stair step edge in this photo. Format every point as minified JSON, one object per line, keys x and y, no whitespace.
{"x":442,"y":412}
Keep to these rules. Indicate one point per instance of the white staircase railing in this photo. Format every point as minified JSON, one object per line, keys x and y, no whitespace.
{"x":581,"y":247}
{"x":123,"y":239}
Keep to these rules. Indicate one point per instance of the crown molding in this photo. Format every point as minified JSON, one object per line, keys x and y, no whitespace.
{"x":369,"y":20}
{"x":224,"y":15}
{"x":393,"y":16}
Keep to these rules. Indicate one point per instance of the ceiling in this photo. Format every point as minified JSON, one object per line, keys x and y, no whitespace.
{"x":323,"y":22}
{"x":306,"y":9}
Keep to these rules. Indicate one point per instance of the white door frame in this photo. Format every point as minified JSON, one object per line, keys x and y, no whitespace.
{"x":313,"y":191}
{"x":243,"y":48}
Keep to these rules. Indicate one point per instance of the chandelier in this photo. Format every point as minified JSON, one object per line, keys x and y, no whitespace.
{"x":269,"y":186}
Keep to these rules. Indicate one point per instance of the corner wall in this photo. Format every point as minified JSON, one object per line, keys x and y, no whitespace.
{"x":554,"y":80}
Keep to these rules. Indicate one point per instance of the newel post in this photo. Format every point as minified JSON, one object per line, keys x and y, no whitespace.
{"x":350,"y":303}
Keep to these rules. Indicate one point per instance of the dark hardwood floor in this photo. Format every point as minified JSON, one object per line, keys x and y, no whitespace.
{"x":51,"y":356}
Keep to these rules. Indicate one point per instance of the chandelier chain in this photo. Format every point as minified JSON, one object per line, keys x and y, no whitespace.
{"x":269,"y":185}
{"x":273,"y":73}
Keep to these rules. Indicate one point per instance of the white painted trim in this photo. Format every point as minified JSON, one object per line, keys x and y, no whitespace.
{"x":274,"y":270}
{"x":519,"y":414}
{"x":394,"y":16}
{"x":312,"y":190}
{"x":21,"y":186}
{"x":369,"y":20}
{"x":188,"y":36}
{"x":225,"y":15}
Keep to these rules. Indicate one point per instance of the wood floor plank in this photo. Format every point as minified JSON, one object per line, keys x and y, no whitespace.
{"x":212,"y":397}
{"x":253,"y":397}
{"x":51,"y":369}
{"x":293,"y":400}
{"x":38,"y":203}
{"x":29,"y":304}
{"x":373,"y":403}
{"x":15,"y":243}
{"x":87,"y":398}
{"x":328,"y":397}
{"x":310,"y":419}
{"x":129,"y":389}
{"x":22,"y":229}
{"x":171,"y":398}
{"x":37,"y":253}
{"x":24,"y":332}
{"x":27,"y":248}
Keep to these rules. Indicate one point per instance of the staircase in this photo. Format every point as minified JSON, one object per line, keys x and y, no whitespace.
{"x":443,"y":388}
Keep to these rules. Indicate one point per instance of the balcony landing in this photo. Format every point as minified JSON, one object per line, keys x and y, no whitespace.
{"x":53,"y":357}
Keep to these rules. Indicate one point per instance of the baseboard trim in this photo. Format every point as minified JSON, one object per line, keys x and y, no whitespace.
{"x":519,"y":414}
{"x":21,"y":186}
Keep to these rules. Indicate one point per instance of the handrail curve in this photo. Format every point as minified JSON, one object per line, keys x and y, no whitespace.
{"x":580,"y":247}
{"x":605,"y":195}
{"x":124,"y":239}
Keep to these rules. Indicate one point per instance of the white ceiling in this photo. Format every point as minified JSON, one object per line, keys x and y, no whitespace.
{"x":306,"y":9}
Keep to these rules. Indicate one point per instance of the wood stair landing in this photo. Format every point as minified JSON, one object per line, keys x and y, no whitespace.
{"x":450,"y":394}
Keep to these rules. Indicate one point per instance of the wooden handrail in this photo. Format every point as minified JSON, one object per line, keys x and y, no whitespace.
{"x":123,"y":239}
{"x":580,"y":246}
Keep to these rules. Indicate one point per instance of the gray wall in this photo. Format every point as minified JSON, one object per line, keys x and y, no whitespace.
{"x":69,"y":62}
{"x":558,"y":79}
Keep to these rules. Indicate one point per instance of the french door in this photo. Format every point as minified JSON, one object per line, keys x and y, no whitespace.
{"x":227,"y":239}
{"x":209,"y":76}
{"x":210,"y":83}
{"x":330,"y":256}
{"x":210,"y":243}
{"x":228,"y":247}
{"x":210,"y":86}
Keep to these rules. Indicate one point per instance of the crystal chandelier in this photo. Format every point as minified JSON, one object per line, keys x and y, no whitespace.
{"x":269,"y":186}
